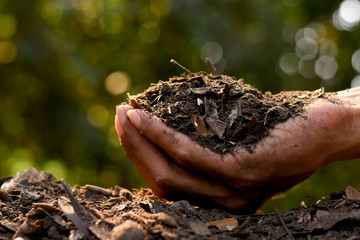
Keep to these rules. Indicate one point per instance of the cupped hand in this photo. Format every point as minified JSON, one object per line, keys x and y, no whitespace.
{"x":177,"y":168}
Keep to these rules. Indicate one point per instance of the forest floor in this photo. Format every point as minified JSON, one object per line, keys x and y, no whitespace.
{"x":35,"y":205}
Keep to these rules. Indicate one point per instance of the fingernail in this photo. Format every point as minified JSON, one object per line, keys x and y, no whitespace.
{"x":121,"y":115}
{"x":134,"y":118}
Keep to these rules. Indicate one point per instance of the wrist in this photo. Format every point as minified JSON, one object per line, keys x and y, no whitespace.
{"x":347,"y":133}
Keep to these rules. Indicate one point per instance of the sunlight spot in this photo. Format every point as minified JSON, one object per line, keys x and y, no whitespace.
{"x":326,"y":67}
{"x":306,"y":48}
{"x":163,"y":6}
{"x":212,"y":50}
{"x":355,"y":60}
{"x":97,"y":115}
{"x":117,"y":82}
{"x":347,"y":17}
{"x":355,"y":82}
{"x":7,"y":52}
{"x":288,"y":63}
{"x":8,"y":26}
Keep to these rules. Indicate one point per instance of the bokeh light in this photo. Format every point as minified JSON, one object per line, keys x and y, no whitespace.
{"x":326,"y":67}
{"x":7,"y":52}
{"x":117,"y":82}
{"x":306,"y":48}
{"x":212,"y":50}
{"x":347,"y":17}
{"x":355,"y":60}
{"x":355,"y":82}
{"x":288,"y":63}
{"x":8,"y":26}
{"x":97,"y":115}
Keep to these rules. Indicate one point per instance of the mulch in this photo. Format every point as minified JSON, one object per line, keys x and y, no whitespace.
{"x":220,"y":112}
{"x":35,"y":205}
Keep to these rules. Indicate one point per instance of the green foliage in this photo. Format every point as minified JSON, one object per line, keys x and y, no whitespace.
{"x":65,"y":65}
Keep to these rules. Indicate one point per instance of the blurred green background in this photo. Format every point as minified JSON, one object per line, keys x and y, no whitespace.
{"x":65,"y":65}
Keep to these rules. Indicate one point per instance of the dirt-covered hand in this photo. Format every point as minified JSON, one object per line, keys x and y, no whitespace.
{"x":175,"y":167}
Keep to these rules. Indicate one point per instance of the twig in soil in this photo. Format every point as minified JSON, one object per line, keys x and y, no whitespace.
{"x":211,"y":66}
{"x":180,"y":66}
{"x":74,"y":202}
{"x":283,"y":223}
{"x":74,"y":217}
{"x":350,"y":199}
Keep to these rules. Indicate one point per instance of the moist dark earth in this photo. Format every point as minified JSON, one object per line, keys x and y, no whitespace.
{"x":220,"y":112}
{"x":35,"y":205}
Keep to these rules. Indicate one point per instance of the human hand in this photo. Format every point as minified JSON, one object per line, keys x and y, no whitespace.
{"x":175,"y":167}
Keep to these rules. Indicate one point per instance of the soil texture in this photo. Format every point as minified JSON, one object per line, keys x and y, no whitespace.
{"x":220,"y":112}
{"x":34,"y":205}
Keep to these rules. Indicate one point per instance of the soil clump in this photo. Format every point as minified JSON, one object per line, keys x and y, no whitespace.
{"x":220,"y":112}
{"x":35,"y":205}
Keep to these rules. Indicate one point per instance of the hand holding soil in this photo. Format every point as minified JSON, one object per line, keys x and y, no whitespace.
{"x":177,"y":167}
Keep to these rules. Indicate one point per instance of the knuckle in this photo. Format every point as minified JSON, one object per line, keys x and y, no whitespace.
{"x":162,"y":181}
{"x":180,"y":155}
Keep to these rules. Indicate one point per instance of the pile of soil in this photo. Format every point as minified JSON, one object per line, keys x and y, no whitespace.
{"x":220,"y":112}
{"x":34,"y":205}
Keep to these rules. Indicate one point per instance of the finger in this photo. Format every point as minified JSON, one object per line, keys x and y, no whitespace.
{"x":165,"y":177}
{"x":182,"y":149}
{"x":352,"y":92}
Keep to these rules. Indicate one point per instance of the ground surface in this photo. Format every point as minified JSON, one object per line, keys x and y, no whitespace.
{"x":220,"y":112}
{"x":35,"y":205}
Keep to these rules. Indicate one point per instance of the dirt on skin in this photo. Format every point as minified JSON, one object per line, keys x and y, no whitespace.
{"x":220,"y":112}
{"x":35,"y":205}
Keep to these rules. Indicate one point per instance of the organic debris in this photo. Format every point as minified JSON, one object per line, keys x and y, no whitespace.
{"x":220,"y":112}
{"x":34,"y":205}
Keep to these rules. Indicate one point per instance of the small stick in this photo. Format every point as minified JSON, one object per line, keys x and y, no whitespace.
{"x":211,"y":66}
{"x":73,"y":201}
{"x":180,"y":66}
{"x":283,"y":223}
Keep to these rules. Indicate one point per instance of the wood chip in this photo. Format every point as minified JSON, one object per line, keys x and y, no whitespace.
{"x":211,"y":108}
{"x":46,"y":206}
{"x":352,"y":193}
{"x":199,"y":228}
{"x":166,"y":219}
{"x":217,"y":126}
{"x":129,"y":230}
{"x":226,"y":92}
{"x":226,"y":224}
{"x":199,"y":125}
{"x":97,"y":189}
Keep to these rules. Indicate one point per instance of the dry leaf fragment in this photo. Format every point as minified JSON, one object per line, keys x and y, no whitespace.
{"x":226,"y":224}
{"x":211,"y":108}
{"x":199,"y":228}
{"x":233,"y":115}
{"x":199,"y":125}
{"x":217,"y":126}
{"x":277,"y":112}
{"x":253,"y":122}
{"x":352,"y":193}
